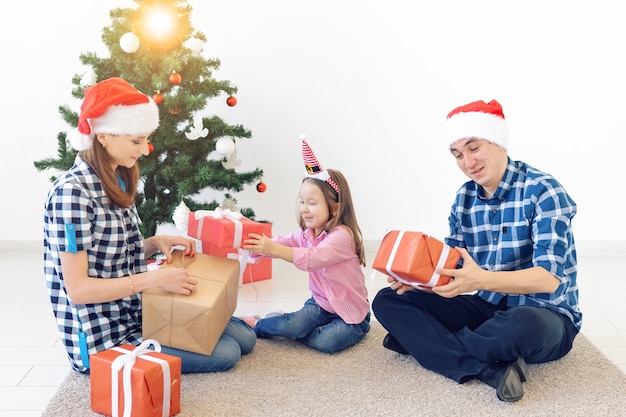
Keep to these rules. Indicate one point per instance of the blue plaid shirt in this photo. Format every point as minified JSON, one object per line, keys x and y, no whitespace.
{"x":526,"y":223}
{"x":80,"y":217}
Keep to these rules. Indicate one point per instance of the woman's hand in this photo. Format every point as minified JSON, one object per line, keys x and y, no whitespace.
{"x":174,"y":280}
{"x":165,"y":244}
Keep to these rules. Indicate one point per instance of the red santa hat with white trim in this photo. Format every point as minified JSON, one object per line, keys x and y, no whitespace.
{"x":113,"y":106}
{"x":477,"y":120}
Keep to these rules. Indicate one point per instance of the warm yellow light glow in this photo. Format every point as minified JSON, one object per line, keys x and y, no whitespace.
{"x":159,"y":23}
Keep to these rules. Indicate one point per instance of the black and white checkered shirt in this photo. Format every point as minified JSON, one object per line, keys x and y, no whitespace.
{"x":80,"y":217}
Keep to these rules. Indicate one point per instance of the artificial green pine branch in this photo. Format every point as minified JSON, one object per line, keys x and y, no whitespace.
{"x":178,"y":168}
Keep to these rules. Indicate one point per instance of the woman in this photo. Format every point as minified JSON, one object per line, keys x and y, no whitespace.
{"x":94,"y":252}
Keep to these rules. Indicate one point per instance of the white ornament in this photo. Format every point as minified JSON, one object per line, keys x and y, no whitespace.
{"x":89,"y":78}
{"x":230,"y":203}
{"x":129,"y":42}
{"x":198,"y":130}
{"x":225,"y":146}
{"x":195,"y":45}
{"x":231,"y":162}
{"x":181,"y":216}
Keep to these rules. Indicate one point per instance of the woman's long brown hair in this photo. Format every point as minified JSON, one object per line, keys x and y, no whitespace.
{"x":98,"y":159}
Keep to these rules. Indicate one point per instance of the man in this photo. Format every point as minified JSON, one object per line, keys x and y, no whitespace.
{"x":513,"y":299}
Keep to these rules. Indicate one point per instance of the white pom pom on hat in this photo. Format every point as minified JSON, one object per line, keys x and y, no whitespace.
{"x":113,"y":106}
{"x":477,"y":120}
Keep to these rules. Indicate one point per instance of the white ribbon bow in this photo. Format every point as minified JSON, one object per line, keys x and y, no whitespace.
{"x":126,"y":362}
{"x":220,"y":213}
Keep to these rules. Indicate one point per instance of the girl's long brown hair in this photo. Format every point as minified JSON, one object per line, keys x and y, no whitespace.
{"x":98,"y":159}
{"x":345,"y":209}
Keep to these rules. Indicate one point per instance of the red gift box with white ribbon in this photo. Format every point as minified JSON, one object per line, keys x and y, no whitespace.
{"x":222,"y":227}
{"x":412,"y":258}
{"x":135,"y":381}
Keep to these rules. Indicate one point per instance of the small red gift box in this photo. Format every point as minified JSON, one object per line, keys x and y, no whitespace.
{"x":135,"y":381}
{"x":413,"y":257}
{"x":221,"y":228}
{"x":253,"y":271}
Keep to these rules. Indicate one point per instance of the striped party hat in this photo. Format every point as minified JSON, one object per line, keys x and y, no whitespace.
{"x":313,"y":167}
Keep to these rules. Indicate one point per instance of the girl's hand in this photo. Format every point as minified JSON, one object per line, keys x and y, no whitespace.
{"x":260,"y":244}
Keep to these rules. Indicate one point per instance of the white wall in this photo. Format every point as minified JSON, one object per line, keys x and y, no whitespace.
{"x":370,"y":83}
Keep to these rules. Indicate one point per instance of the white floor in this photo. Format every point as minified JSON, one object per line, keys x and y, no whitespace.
{"x":33,"y":363}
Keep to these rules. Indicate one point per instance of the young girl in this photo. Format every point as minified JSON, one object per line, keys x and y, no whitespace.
{"x":94,"y":253}
{"x":330,"y":247}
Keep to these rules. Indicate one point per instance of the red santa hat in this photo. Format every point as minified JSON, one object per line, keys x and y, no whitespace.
{"x":113,"y":106}
{"x":478,"y":120}
{"x":313,"y":167}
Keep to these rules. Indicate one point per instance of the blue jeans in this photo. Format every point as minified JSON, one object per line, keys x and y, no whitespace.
{"x":238,"y":339}
{"x":314,"y":327}
{"x":461,"y":336}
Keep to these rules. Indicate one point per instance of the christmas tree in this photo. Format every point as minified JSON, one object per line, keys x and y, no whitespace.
{"x":154,"y":47}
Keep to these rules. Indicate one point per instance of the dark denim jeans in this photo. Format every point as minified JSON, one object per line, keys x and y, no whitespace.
{"x":459,"y":337}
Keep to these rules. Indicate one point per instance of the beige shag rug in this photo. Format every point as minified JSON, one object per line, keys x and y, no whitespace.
{"x":282,"y":378}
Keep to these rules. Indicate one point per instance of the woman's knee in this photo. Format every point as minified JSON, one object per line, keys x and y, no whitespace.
{"x":245,"y":336}
{"x":247,"y":341}
{"x":225,"y":355}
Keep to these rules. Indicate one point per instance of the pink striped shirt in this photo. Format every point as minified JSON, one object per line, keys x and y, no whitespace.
{"x":336,"y":279}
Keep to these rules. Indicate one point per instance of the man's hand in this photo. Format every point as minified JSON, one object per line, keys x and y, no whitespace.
{"x":464,"y":280}
{"x":399,"y":287}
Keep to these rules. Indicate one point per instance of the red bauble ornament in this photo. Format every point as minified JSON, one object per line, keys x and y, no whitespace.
{"x":150,"y":147}
{"x":231,"y":101}
{"x":261,"y":187}
{"x":175,"y":78}
{"x":158,"y":98}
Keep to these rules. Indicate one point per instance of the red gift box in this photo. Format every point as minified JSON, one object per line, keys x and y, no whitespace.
{"x":413,"y":257}
{"x":140,"y":381}
{"x":221,"y":228}
{"x":253,"y":272}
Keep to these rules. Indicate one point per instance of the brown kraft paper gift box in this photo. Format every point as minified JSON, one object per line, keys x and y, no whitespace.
{"x":193,"y":322}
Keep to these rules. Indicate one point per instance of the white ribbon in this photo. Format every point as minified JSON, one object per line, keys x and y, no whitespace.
{"x":392,"y":256}
{"x":243,"y":256}
{"x":126,"y":362}
{"x":443,"y":256}
{"x":220,"y":213}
